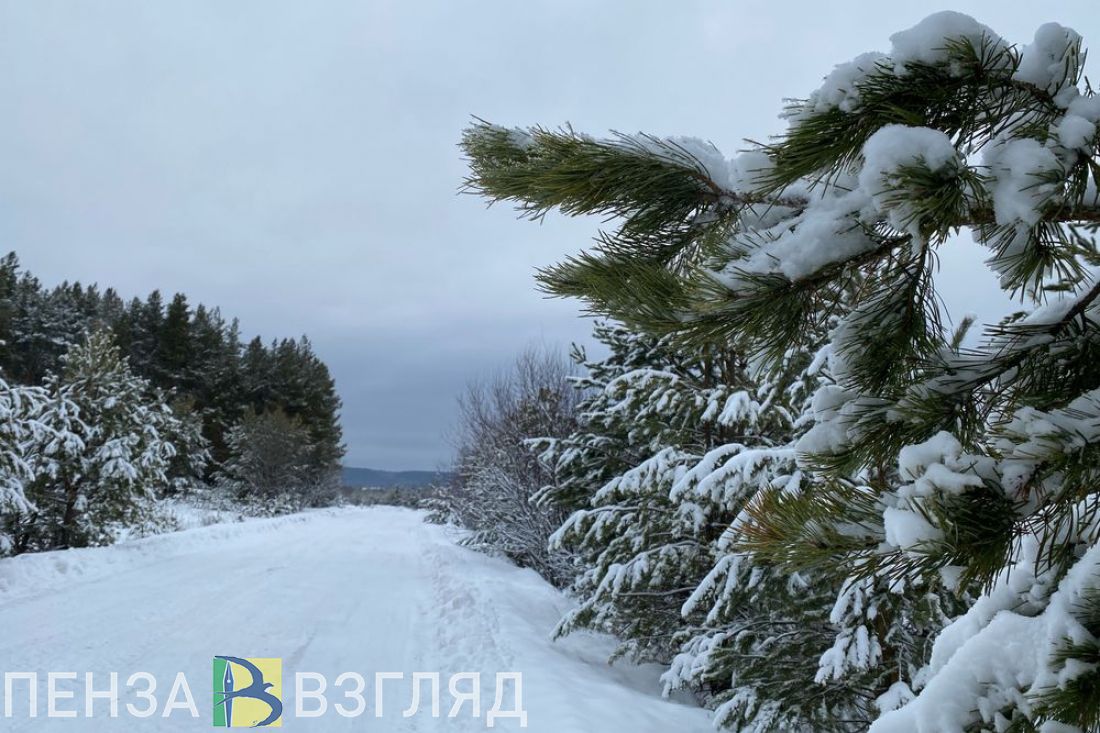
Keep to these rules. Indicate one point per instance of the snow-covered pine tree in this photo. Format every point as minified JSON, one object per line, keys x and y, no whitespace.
{"x":672,"y":443}
{"x":614,"y":433}
{"x":940,"y":465}
{"x":651,"y":411}
{"x":110,"y":455}
{"x":43,"y":325}
{"x":25,"y":431}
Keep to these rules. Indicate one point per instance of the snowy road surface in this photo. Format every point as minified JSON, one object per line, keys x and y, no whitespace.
{"x":357,"y":590}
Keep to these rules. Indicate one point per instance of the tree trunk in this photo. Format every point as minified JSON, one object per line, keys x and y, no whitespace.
{"x":68,"y":519}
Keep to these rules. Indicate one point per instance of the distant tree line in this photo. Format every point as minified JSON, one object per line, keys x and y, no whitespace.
{"x":177,"y":401}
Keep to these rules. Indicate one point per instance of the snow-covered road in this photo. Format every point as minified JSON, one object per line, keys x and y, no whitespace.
{"x":357,"y":590}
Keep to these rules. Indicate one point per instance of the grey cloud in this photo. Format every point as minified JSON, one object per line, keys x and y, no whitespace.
{"x":296,"y":162}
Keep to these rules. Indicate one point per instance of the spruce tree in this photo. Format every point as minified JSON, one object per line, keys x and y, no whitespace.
{"x":147,"y":318}
{"x":942,"y":465}
{"x":672,"y":445}
{"x":655,"y":422}
{"x":174,"y":350}
{"x":608,"y":440}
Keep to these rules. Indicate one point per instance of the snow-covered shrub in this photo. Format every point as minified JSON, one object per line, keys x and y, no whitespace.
{"x":496,"y":477}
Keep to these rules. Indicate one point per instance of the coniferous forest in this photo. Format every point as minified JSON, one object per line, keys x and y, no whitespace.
{"x":111,"y":405}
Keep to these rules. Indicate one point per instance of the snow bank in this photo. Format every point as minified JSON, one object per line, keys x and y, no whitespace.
{"x":32,"y":574}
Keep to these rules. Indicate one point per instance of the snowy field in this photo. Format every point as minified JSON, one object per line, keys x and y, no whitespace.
{"x":351,"y":590}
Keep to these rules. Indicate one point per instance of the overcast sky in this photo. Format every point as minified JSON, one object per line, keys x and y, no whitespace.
{"x":295,"y":163}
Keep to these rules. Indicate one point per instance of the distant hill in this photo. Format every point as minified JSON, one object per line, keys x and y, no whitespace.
{"x":376,"y":479}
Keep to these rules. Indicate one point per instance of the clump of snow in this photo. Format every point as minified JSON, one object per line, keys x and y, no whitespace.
{"x":1018,"y":168}
{"x":894,"y":147}
{"x":1076,"y":130}
{"x":951,"y":576}
{"x":840,"y":90}
{"x":828,"y":409}
{"x":935,"y":467}
{"x":898,"y":695}
{"x":915,"y":460}
{"x":715,"y":164}
{"x":1000,"y":651}
{"x":748,"y":171}
{"x":796,"y":248}
{"x":745,"y":173}
{"x":1044,"y":62}
{"x":907,"y":529}
{"x":926,"y":42}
